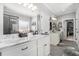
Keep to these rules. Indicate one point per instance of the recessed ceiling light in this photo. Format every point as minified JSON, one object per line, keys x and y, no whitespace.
{"x":30,"y":5}
{"x":26,"y":4}
{"x":54,"y":18}
{"x":19,"y":3}
{"x":34,"y":8}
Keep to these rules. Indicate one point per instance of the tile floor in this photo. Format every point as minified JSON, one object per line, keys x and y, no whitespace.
{"x":59,"y":49}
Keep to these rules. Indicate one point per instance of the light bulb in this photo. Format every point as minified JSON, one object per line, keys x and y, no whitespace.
{"x":54,"y":18}
{"x":25,"y":4}
{"x":19,"y":3}
{"x":34,"y":8}
{"x":30,"y":5}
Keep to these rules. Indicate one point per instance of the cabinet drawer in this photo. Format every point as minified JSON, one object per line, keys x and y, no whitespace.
{"x":25,"y":49}
{"x":30,"y":49}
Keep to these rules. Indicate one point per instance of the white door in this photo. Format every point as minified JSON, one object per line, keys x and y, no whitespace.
{"x":77,"y":31}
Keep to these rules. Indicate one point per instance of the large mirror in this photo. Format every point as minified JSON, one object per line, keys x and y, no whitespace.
{"x":15,"y":22}
{"x":10,"y":23}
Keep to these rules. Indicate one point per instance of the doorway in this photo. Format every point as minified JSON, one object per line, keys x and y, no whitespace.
{"x":70,"y":28}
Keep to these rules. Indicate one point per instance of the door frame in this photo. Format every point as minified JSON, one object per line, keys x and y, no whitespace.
{"x":65,"y":27}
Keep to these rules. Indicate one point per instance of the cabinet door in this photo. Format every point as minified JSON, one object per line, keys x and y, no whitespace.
{"x":40,"y":51}
{"x":40,"y":46}
{"x":30,"y":49}
{"x":25,"y":49}
{"x":44,"y":46}
{"x":45,"y":22}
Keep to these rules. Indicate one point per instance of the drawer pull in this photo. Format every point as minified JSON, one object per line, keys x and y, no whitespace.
{"x":45,"y":44}
{"x":24,"y":48}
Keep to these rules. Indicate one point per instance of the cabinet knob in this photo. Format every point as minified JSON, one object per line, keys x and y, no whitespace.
{"x":45,"y":44}
{"x":24,"y":48}
{"x":76,"y":39}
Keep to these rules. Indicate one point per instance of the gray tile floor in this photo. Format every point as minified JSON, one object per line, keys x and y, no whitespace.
{"x":59,"y":50}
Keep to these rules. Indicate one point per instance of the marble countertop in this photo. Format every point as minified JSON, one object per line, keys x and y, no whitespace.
{"x":15,"y":41}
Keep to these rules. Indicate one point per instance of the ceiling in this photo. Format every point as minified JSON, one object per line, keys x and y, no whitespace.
{"x":18,"y":9}
{"x":52,"y":9}
{"x":58,"y":9}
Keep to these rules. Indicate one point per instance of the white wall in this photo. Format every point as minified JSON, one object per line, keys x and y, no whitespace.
{"x":66,"y":17}
{"x":77,"y":14}
{"x":1,"y":19}
{"x":45,"y":25}
{"x":77,"y":26}
{"x":44,"y":22}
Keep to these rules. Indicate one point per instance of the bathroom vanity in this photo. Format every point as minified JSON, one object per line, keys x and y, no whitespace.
{"x":15,"y":23}
{"x":38,"y":45}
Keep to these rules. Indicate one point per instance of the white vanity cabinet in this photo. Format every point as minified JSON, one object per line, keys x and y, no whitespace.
{"x":35,"y":47}
{"x":24,"y":49}
{"x":44,"y":46}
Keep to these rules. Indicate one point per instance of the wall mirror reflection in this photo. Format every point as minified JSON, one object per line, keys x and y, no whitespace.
{"x":10,"y":24}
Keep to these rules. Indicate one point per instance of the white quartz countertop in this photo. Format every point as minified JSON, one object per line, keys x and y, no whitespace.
{"x":15,"y":41}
